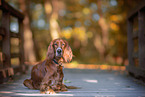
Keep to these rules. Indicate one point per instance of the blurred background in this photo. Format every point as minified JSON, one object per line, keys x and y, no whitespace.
{"x":95,"y":29}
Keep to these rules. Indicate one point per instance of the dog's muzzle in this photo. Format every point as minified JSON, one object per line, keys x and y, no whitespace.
{"x":59,"y":52}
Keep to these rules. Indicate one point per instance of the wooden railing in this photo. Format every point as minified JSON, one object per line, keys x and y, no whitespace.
{"x":136,"y":42}
{"x":6,"y":68}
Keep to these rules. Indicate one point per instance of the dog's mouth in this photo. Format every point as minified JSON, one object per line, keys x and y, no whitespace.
{"x":58,"y":55}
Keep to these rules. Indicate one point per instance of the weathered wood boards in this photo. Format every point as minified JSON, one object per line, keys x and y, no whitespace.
{"x":6,"y":68}
{"x":137,"y":70}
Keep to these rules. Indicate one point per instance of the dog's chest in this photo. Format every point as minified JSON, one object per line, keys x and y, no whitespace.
{"x":55,"y":78}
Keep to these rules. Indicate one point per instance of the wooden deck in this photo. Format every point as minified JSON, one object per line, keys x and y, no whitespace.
{"x":92,"y":83}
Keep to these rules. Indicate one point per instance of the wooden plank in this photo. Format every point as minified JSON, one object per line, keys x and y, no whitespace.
{"x":2,"y":31}
{"x":2,"y":58}
{"x":21,"y":43}
{"x":5,"y":73}
{"x":14,"y":35}
{"x":136,"y":71}
{"x":6,"y":40}
{"x":135,"y":55}
{"x":15,"y":55}
{"x":21,"y":46}
{"x":7,"y":8}
{"x":135,"y":35}
{"x":134,"y":12}
{"x":130,"y":41}
{"x":142,"y":39}
{"x":0,"y":2}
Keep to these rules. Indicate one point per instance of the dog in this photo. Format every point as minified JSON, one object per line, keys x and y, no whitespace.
{"x":47,"y":76}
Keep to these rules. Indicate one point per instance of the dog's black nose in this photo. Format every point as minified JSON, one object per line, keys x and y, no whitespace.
{"x":59,"y":51}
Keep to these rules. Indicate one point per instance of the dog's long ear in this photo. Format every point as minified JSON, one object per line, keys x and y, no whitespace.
{"x":50,"y":51}
{"x":67,"y":55}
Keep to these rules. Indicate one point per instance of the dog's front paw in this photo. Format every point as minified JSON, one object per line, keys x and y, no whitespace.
{"x":49,"y":91}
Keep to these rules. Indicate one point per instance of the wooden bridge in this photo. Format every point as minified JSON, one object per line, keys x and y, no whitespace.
{"x":136,"y":42}
{"x":7,"y":69}
{"x":93,"y":81}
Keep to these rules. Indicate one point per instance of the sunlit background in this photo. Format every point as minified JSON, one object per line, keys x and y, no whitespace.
{"x":95,"y":29}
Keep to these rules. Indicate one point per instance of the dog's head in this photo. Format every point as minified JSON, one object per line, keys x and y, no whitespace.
{"x":59,"y":48}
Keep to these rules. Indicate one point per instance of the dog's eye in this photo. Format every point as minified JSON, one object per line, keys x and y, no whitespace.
{"x":63,"y":44}
{"x":55,"y":44}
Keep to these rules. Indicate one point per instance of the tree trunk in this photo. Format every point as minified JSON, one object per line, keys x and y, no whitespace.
{"x":101,"y":41}
{"x":51,"y":11}
{"x":28,"y":38}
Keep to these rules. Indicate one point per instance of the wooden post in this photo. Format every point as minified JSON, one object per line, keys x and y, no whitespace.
{"x":21,"y":45}
{"x":130,"y":41}
{"x":6,"y":49}
{"x":141,"y":35}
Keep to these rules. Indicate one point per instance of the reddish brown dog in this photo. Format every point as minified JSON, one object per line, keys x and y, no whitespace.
{"x":47,"y":76}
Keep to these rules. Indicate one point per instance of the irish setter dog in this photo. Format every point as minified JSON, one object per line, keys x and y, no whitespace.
{"x":47,"y":76}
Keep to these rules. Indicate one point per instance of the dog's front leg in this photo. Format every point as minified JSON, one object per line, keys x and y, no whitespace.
{"x":62,"y":86}
{"x":45,"y":87}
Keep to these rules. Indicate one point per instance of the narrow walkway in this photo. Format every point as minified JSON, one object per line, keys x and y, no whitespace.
{"x":93,"y":83}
